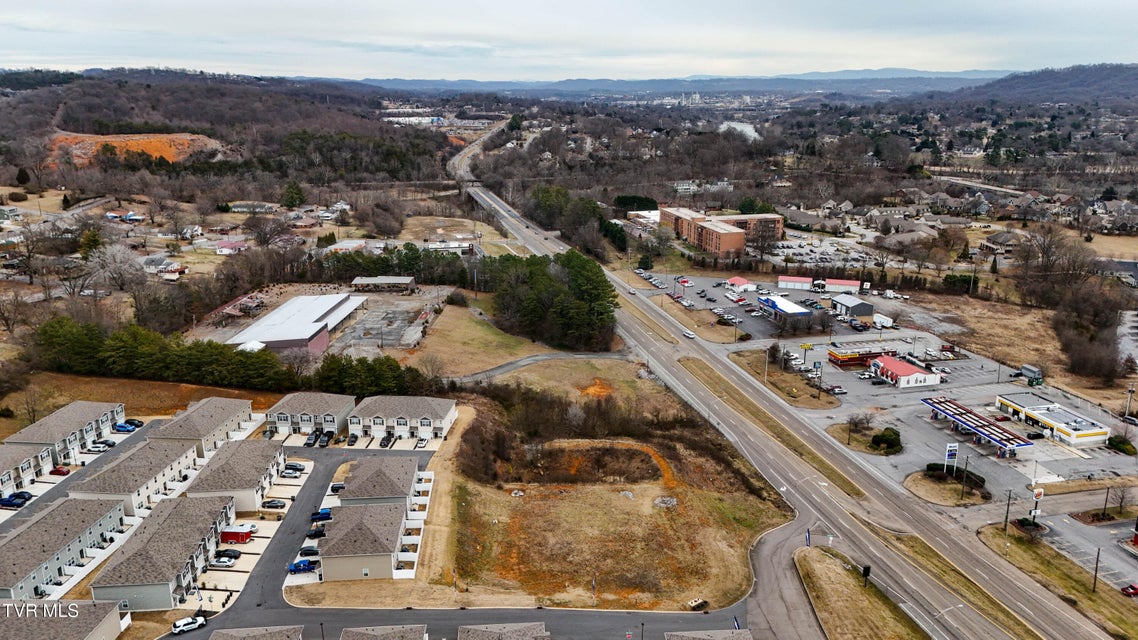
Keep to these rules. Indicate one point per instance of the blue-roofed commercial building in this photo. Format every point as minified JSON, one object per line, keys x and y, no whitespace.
{"x":304,"y":322}
{"x":781,"y":308}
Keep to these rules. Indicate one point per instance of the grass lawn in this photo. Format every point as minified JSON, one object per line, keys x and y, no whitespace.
{"x":466,"y":344}
{"x":1107,"y":607}
{"x":861,"y":441}
{"x":1075,"y":486}
{"x":846,"y":609}
{"x":943,"y":493}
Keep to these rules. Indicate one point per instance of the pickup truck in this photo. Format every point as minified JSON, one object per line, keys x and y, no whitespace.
{"x":304,"y":565}
{"x":321,"y":515}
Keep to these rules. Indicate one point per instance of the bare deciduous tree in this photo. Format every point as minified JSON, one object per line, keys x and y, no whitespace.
{"x":116,"y":265}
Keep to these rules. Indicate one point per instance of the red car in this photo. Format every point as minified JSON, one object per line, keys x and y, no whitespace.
{"x":1130,"y":590}
{"x":59,"y":471}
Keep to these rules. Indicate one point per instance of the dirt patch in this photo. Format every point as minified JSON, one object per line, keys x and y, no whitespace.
{"x":464,"y":342}
{"x":946,"y":494}
{"x":143,"y":398}
{"x":597,"y":389}
{"x":791,"y":387}
{"x":174,"y":147}
{"x":846,"y":608}
{"x":147,"y":625}
{"x":624,"y":380}
{"x":439,"y":229}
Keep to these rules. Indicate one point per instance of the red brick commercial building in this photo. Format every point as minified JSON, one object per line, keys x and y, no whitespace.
{"x":721,"y":236}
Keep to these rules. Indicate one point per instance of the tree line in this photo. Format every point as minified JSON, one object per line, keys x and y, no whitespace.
{"x":67,"y":346}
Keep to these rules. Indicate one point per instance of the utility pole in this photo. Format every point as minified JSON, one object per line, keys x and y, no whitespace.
{"x":964,"y":481}
{"x":1007,"y":513}
{"x":1129,"y":395}
{"x":1094,"y":585}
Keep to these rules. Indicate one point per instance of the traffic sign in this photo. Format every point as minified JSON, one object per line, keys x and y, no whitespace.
{"x":1034,"y":512}
{"x":1038,"y":494}
{"x":818,"y":364}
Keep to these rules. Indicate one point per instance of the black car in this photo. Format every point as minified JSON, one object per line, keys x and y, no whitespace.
{"x":273,"y":504}
{"x":308,"y":552}
{"x":23,"y":495}
{"x":385,"y":442}
{"x":312,"y":438}
{"x":135,"y":422}
{"x":352,"y":439}
{"x":227,"y":553}
{"x":294,"y":466}
{"x":315,"y":532}
{"x":325,"y":440}
{"x":337,"y":487}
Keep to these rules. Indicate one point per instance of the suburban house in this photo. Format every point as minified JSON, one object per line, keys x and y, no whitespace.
{"x":70,"y":619}
{"x":389,"y":480}
{"x":510,"y":631}
{"x":70,"y":429}
{"x":230,"y":247}
{"x":403,"y":417}
{"x":364,"y":542}
{"x":161,"y":562}
{"x":20,"y":465}
{"x":262,"y":633}
{"x":306,"y":411}
{"x":396,"y":632}
{"x":1001,"y":242}
{"x":902,"y":374}
{"x":42,"y":553}
{"x":140,"y":477}
{"x":205,"y":424}
{"x":244,"y":469}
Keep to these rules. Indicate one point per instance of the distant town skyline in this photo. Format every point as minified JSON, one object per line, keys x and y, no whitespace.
{"x":512,"y":40}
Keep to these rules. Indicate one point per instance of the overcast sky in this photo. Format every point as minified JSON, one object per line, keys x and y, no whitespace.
{"x":539,"y":40}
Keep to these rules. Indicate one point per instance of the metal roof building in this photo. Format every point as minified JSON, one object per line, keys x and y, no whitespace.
{"x":304,"y":322}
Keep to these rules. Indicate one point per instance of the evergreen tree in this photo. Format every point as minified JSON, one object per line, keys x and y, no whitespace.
{"x":293,"y":195}
{"x":22,"y":177}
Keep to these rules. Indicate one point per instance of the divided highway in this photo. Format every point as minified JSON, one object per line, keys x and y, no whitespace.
{"x":777,"y":606}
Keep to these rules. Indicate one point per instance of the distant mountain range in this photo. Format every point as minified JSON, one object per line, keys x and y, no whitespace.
{"x":1103,"y":82}
{"x":867,"y":82}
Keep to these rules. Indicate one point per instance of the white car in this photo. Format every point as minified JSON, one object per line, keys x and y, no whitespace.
{"x":187,"y":624}
{"x":290,"y":473}
{"x":222,"y":563}
{"x":421,"y":444}
{"x":813,"y":375}
{"x":98,"y":448}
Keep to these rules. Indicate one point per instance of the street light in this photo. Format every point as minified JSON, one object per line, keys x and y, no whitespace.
{"x":1129,"y":396}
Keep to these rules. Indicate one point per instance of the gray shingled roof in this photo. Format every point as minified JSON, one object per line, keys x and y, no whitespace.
{"x":237,"y":465}
{"x":12,"y":455}
{"x":45,"y":533}
{"x":56,"y":627}
{"x":410,"y":407}
{"x":364,"y":530}
{"x":61,"y":423}
{"x":163,"y":542}
{"x":262,"y":633}
{"x":517,"y":631}
{"x":202,"y":418}
{"x":399,"y":632}
{"x":313,"y":403}
{"x":134,"y":467}
{"x":381,"y":477}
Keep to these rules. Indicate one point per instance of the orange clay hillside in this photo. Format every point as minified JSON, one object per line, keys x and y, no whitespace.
{"x":171,"y":146}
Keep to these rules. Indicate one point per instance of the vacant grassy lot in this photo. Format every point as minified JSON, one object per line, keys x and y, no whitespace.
{"x":599,"y":378}
{"x":1107,"y":607}
{"x":142,"y":398}
{"x":747,"y":407}
{"x":465,"y":343}
{"x":846,"y":609}
{"x":990,"y":323}
{"x":791,"y":387}
{"x":860,"y":441}
{"x":1074,"y":486}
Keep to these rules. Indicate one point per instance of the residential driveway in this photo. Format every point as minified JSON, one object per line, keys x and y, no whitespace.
{"x":295,"y":440}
